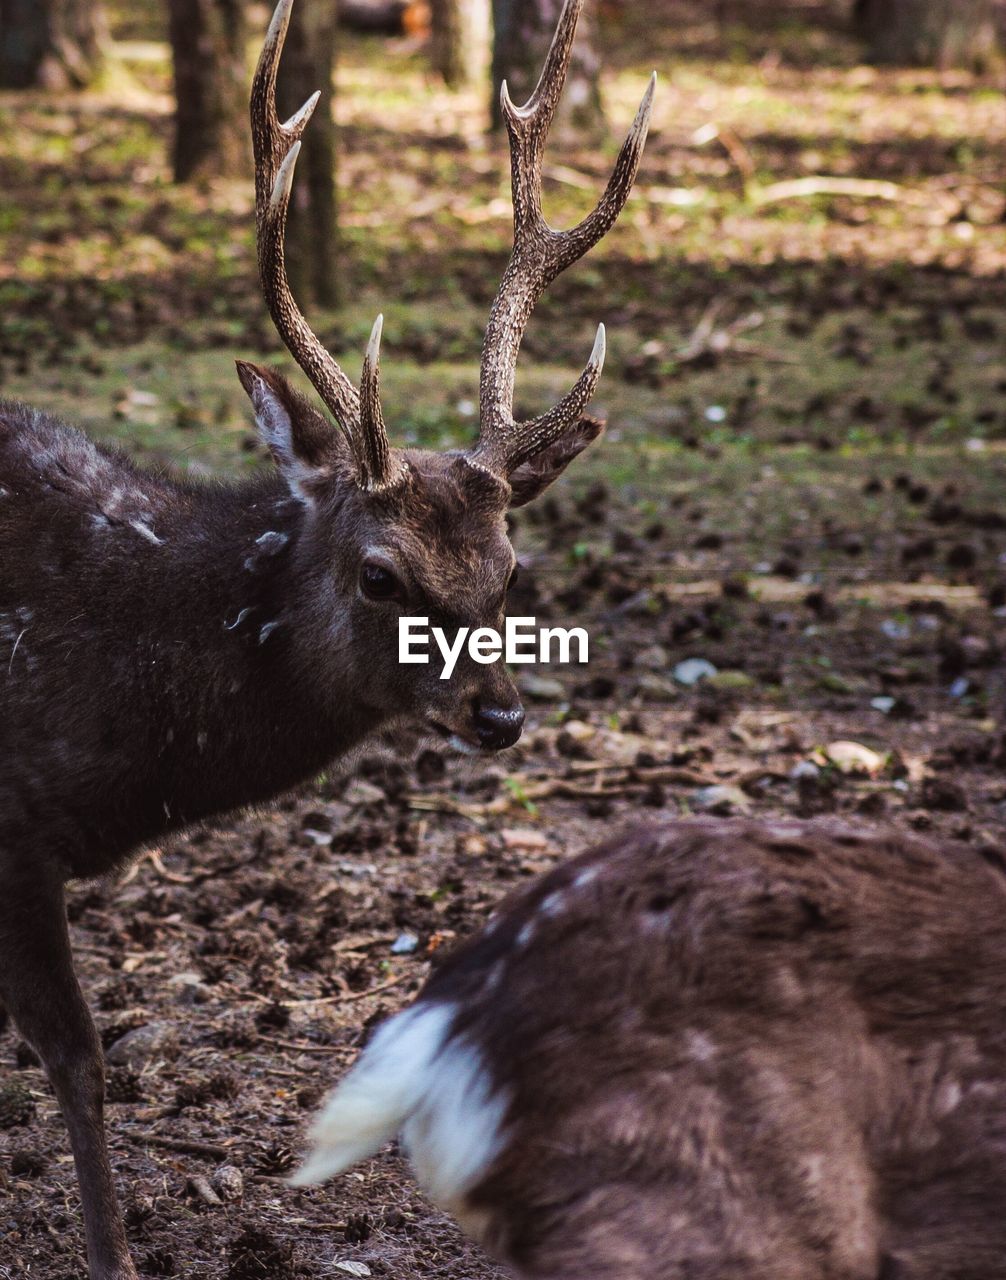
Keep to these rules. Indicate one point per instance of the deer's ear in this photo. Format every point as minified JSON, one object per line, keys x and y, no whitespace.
{"x":535,"y":475}
{"x":304,"y":445}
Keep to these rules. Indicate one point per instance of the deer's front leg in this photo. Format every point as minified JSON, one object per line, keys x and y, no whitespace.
{"x":39,"y":988}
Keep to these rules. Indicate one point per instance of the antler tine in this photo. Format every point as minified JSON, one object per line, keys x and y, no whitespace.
{"x":539,"y":254}
{"x":276,"y":147}
{"x":373,"y":435}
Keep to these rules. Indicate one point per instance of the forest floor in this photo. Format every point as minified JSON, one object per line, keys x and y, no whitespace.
{"x":802,"y":485}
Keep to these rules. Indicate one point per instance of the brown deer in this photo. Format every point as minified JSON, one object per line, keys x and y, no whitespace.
{"x":172,"y":651}
{"x":717,"y":1050}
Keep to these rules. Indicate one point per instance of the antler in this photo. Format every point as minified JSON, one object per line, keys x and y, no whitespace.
{"x":539,"y":255}
{"x":276,"y":147}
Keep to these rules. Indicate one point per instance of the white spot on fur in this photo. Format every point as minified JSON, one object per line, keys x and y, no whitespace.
{"x":14,"y":650}
{"x":949,"y":1095}
{"x":553,"y":904}
{"x":272,"y":542}
{"x":267,"y":631}
{"x":525,"y":934}
{"x":145,"y":531}
{"x":494,"y":978}
{"x":587,"y":876}
{"x":232,"y":626}
{"x":435,"y":1088}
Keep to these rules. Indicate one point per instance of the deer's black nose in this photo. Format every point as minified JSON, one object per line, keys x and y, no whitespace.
{"x":498,"y":727}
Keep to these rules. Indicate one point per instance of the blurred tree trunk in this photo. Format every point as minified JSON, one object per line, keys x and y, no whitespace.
{"x":312,"y":242}
{"x":523,"y":30}
{"x":931,"y":33}
{"x":208,"y":47}
{"x":460,"y":41}
{"x":374,"y":17}
{"x":50,"y":44}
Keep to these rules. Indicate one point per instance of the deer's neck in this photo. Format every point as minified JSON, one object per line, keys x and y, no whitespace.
{"x":234,"y":690}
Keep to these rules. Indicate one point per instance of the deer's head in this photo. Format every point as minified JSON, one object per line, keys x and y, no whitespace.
{"x":395,"y":531}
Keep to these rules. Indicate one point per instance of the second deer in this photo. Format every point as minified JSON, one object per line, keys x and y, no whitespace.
{"x":713,"y":1051}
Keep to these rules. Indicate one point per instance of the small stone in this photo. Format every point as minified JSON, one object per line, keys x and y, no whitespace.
{"x":405,"y":944}
{"x":804,"y":770}
{"x":853,"y":758}
{"x":360,"y":792}
{"x":653,"y":658}
{"x":542,"y":688}
{"x":654,"y":688}
{"x":524,"y":838}
{"x":137,"y":1047}
{"x":721,"y":800}
{"x":731,"y":680}
{"x":579,"y":730}
{"x":883,"y":704}
{"x":353,"y":1268}
{"x":692,"y":670}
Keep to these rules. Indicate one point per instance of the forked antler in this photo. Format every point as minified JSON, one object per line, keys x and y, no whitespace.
{"x":276,"y":147}
{"x":539,"y":255}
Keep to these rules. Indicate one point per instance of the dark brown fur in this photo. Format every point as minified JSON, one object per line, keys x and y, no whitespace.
{"x":746,"y":1051}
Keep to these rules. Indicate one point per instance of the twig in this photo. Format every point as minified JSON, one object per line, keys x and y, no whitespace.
{"x":211,"y":1150}
{"x":709,"y":340}
{"x":304,"y":1048}
{"x":820,"y":184}
{"x":353,"y":996}
{"x":346,"y":998}
{"x":628,"y":779}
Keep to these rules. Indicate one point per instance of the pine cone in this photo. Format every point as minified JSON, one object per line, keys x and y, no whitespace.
{"x":124,"y":1085}
{"x":275,"y":1159}
{"x":17,"y":1106}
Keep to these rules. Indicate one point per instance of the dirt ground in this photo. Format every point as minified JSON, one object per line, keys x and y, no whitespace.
{"x":802,"y":486}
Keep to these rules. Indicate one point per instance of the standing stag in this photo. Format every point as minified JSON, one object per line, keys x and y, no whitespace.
{"x":172,"y":651}
{"x":713,"y":1051}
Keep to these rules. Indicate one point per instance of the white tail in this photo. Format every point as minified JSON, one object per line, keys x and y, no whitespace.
{"x":417,"y":1079}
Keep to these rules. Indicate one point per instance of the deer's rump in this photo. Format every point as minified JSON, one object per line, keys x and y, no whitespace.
{"x":774,"y":1051}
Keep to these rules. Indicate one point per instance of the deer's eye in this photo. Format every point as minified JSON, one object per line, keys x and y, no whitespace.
{"x":378,"y":583}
